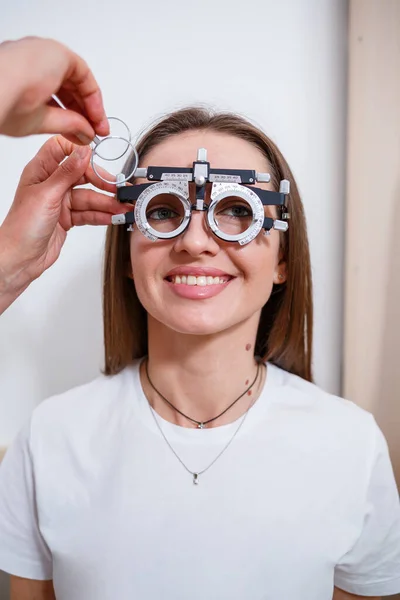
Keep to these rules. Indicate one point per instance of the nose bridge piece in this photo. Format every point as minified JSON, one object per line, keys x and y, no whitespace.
{"x":201,"y":172}
{"x":199,"y":204}
{"x":198,"y":219}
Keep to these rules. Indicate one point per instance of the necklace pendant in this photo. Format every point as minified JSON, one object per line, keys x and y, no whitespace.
{"x":200,"y":426}
{"x":196,"y":478}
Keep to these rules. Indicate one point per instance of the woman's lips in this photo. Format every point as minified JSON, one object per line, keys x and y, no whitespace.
{"x":195,"y":282}
{"x":197,"y":272}
{"x":190,"y":291}
{"x":200,"y":280}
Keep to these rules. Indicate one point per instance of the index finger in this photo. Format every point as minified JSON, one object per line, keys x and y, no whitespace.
{"x":80,"y":79}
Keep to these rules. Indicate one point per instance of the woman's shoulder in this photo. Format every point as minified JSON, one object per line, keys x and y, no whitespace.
{"x":85,"y":401}
{"x":298,"y":394}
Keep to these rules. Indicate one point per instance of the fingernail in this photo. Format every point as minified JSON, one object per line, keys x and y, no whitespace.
{"x":84,"y":138}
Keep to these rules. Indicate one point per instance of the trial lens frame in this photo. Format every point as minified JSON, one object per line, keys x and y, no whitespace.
{"x":225,"y":183}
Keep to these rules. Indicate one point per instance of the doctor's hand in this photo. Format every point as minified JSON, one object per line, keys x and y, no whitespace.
{"x":31,"y":70}
{"x":46,"y":206}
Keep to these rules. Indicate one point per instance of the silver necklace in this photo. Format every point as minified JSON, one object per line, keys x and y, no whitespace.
{"x":200,"y":424}
{"x":196,"y":474}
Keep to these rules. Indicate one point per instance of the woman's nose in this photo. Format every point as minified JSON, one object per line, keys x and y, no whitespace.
{"x":197,"y":237}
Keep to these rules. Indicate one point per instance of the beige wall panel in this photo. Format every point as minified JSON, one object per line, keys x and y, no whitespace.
{"x":372,"y":304}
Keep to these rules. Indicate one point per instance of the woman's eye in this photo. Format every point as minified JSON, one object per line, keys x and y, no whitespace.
{"x":162,"y":214}
{"x":236,"y":211}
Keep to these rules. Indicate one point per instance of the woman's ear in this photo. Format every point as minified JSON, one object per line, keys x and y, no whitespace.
{"x":128,"y":270}
{"x":280,"y":273}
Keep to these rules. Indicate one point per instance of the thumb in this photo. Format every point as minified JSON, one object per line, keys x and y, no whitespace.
{"x":69,"y":172}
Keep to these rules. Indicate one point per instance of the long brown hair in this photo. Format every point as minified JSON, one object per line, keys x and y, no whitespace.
{"x":285,"y":330}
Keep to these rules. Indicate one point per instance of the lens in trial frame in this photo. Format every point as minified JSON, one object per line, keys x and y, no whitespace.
{"x":236,"y":213}
{"x":165,"y":213}
{"x":162,"y":210}
{"x":233,"y":215}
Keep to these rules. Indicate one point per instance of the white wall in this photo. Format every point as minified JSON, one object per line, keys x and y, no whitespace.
{"x":283,"y":64}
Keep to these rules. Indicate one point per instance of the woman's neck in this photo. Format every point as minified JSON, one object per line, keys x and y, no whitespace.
{"x":201,"y":375}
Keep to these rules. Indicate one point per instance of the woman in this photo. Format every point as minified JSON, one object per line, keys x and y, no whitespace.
{"x":204,"y":463}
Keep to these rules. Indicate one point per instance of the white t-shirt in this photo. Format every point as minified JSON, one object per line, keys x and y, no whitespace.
{"x":303,"y":499}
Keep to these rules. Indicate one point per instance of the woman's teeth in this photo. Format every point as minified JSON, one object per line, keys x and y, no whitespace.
{"x":202,"y":280}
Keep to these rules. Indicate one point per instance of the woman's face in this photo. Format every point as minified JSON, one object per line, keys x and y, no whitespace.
{"x":246,"y":273}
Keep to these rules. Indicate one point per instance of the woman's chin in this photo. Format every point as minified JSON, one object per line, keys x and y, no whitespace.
{"x":189,"y":324}
{"x":188,"y":327}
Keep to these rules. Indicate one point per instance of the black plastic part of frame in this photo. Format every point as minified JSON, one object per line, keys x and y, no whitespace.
{"x":268,"y":223}
{"x":246,"y":175}
{"x":156,"y":173}
{"x":269,"y":198}
{"x":130,"y":193}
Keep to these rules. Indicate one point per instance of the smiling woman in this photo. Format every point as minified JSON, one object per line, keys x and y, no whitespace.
{"x":204,"y":454}
{"x":284,"y":331}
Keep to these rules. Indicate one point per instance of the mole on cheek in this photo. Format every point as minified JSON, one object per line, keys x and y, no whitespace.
{"x":248,"y":347}
{"x":249,"y":393}
{"x":247,"y":382}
